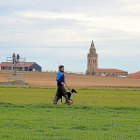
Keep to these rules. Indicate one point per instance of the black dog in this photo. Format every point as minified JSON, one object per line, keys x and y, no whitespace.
{"x":69,"y":95}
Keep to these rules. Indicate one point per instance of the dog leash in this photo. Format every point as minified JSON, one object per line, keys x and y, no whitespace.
{"x":68,"y":88}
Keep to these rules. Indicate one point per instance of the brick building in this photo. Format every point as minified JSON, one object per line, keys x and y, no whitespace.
{"x":136,"y":74}
{"x":92,"y":60}
{"x":92,"y":65}
{"x":111,"y":72}
{"x":28,"y":66}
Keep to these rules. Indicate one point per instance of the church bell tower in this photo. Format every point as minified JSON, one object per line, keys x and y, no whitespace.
{"x":92,"y":60}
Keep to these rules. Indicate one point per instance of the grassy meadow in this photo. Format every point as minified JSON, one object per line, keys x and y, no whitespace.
{"x":97,"y":114}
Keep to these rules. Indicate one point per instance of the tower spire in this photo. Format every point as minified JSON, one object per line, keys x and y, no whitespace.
{"x":92,"y":43}
{"x":92,"y":60}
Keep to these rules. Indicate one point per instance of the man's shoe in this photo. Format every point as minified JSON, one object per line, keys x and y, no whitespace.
{"x":54,"y":102}
{"x":69,"y":103}
{"x":55,"y":99}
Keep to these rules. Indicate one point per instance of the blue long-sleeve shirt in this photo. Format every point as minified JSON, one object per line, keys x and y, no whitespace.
{"x":60,"y":78}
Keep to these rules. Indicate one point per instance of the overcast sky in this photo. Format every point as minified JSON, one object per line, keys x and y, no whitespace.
{"x":52,"y":31}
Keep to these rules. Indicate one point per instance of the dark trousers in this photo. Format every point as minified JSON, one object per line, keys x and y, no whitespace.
{"x":61,"y":91}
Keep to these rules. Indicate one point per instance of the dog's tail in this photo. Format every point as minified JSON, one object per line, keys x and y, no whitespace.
{"x":52,"y":98}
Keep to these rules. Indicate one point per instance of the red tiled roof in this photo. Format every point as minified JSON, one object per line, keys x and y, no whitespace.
{"x":136,"y":74}
{"x":109,"y":70}
{"x":26,"y":64}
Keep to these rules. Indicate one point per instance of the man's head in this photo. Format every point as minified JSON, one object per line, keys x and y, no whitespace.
{"x":61,"y":68}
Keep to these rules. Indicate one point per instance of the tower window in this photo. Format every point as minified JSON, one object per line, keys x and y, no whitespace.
{"x":89,"y":61}
{"x":93,"y":60}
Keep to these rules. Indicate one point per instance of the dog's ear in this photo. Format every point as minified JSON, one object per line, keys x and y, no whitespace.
{"x":73,"y":90}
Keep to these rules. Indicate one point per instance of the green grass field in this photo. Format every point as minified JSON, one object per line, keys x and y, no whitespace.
{"x":97,"y":114}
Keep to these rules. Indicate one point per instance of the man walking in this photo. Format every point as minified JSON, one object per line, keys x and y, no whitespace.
{"x":60,"y":78}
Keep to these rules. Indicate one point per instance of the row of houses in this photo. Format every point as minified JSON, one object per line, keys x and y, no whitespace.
{"x":33,"y":66}
{"x":110,"y":72}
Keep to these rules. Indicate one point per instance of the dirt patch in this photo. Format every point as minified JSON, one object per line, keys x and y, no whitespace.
{"x":45,"y":78}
